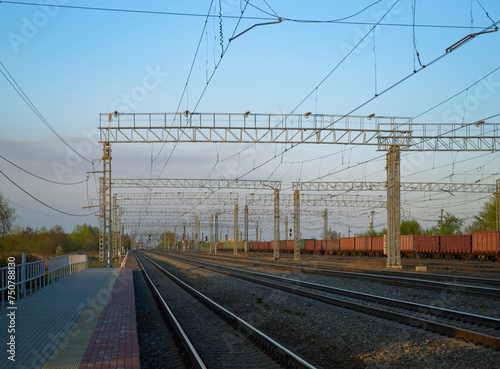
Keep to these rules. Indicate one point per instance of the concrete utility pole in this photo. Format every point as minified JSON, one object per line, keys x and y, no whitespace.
{"x":497,"y":198}
{"x":393,"y":208}
{"x":286,"y":228}
{"x":236,"y":232}
{"x":211,"y":232}
{"x":325,"y":224}
{"x":246,"y":228}
{"x":276,"y":253}
{"x":296,"y":225}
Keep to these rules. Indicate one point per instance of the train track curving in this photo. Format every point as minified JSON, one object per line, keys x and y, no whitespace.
{"x":211,"y":336}
{"x":471,"y":328}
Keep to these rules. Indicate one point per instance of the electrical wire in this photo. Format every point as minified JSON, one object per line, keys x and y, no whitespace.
{"x":43,"y":179}
{"x":43,"y":203}
{"x":206,"y":86}
{"x":482,"y":7}
{"x":272,"y":16}
{"x":26,"y":99}
{"x":363,"y":104}
{"x":316,"y":90}
{"x":117,"y":10}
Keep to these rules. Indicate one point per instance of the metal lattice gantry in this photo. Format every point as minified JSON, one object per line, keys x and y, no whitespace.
{"x":382,"y":132}
{"x":176,"y":198}
{"x":405,"y":186}
{"x":314,"y":200}
{"x":105,"y":208}
{"x":390,"y":134}
{"x":493,"y":189}
{"x":296,"y":201}
{"x":252,"y":128}
{"x":211,"y":184}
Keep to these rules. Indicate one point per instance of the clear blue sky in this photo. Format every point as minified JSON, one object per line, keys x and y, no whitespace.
{"x":74,"y":64}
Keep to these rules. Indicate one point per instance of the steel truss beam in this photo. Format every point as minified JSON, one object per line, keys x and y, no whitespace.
{"x":382,"y":132}
{"x":177,"y":198}
{"x":405,"y":186}
{"x":390,"y":134}
{"x":287,"y":200}
{"x":218,"y":184}
{"x":171,"y":219}
{"x":253,"y":128}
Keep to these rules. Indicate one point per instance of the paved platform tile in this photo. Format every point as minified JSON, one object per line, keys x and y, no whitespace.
{"x":114,"y":343}
{"x":45,"y":318}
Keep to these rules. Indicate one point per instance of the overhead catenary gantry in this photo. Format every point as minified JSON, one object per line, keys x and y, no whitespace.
{"x":210,"y":184}
{"x":314,"y":200}
{"x":213,"y":184}
{"x":405,"y":186}
{"x":390,"y":134}
{"x":493,"y":189}
{"x":176,"y":198}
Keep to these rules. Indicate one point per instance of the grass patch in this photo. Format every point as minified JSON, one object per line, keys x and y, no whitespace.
{"x":259,"y":300}
{"x":482,"y":305}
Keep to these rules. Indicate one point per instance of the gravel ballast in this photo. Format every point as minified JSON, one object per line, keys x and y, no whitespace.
{"x":333,"y":337}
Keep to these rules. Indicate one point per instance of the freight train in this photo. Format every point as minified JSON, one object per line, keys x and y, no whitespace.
{"x":475,"y":246}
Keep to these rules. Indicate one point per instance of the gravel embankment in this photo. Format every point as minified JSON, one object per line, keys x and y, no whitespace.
{"x":451,"y":300}
{"x":332,"y":337}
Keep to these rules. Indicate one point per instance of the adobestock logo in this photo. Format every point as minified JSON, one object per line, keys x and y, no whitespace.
{"x":31,"y":26}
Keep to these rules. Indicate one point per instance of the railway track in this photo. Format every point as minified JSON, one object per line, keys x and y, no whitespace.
{"x":213,"y":337}
{"x":453,"y":284}
{"x":471,"y":328}
{"x":449,"y":265}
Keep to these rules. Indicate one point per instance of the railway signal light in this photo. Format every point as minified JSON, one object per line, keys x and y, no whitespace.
{"x":290,"y":232}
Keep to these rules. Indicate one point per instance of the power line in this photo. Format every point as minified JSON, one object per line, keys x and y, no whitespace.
{"x":272,"y":16}
{"x":116,"y":10}
{"x":366,"y":102}
{"x":311,"y":21}
{"x":187,"y":82}
{"x":207,"y":83}
{"x":41,"y":202}
{"x":43,"y":179}
{"x":318,"y":85}
{"x":26,"y":99}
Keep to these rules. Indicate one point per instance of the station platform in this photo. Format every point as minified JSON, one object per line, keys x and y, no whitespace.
{"x":86,"y":320}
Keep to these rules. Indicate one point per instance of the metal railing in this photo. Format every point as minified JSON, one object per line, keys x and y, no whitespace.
{"x":23,"y":278}
{"x":124,"y":262}
{"x":65,"y":265}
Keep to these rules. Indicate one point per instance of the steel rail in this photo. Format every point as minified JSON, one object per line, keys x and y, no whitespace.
{"x":195,"y":358}
{"x":459,"y":333}
{"x":394,"y":278}
{"x":285,"y":356}
{"x":425,"y":309}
